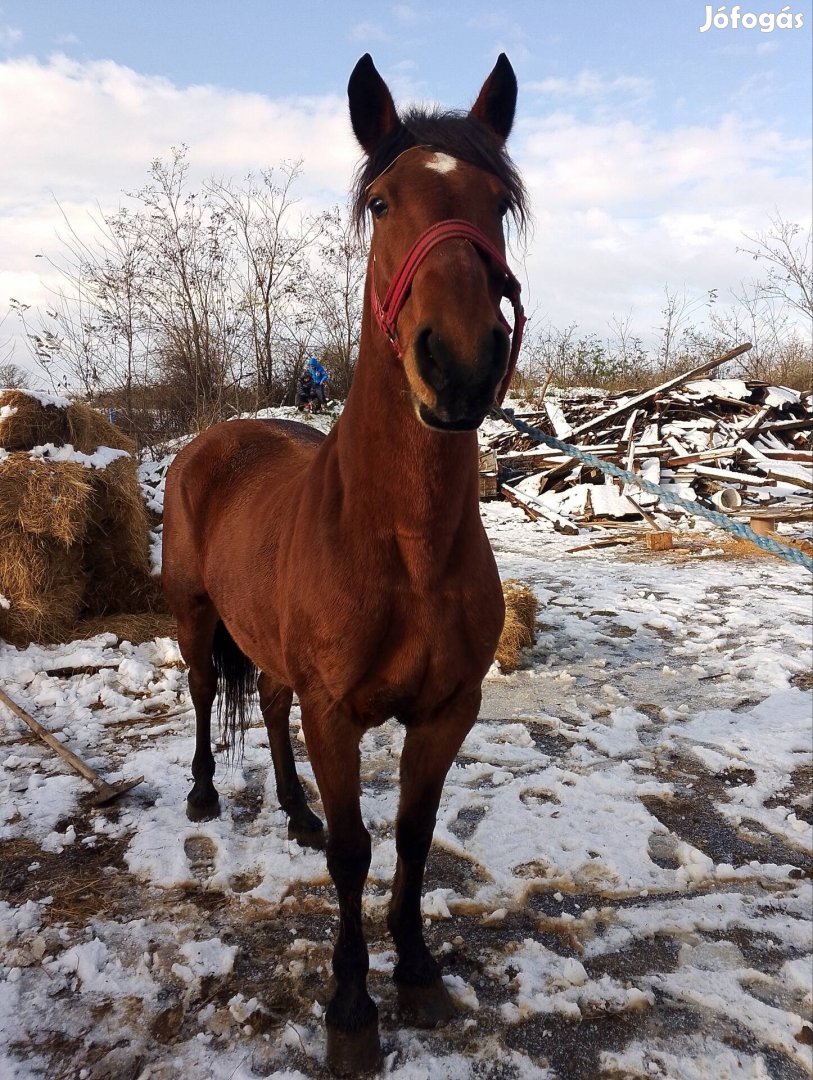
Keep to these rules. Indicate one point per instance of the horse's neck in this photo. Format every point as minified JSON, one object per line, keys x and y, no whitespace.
{"x":401,"y":474}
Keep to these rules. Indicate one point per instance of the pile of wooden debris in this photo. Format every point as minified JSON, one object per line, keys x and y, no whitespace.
{"x":744,"y":448}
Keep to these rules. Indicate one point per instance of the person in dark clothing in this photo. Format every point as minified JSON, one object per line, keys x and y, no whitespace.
{"x":304,"y":391}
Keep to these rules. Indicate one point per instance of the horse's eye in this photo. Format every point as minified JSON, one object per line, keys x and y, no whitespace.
{"x":377,"y":207}
{"x":504,"y":207}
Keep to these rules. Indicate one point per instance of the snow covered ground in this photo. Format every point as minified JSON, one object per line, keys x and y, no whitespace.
{"x":620,"y":884}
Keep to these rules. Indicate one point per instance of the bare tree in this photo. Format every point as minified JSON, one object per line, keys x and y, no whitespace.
{"x":785,"y":248}
{"x":12,"y":376}
{"x":272,"y":243}
{"x":335,"y":295}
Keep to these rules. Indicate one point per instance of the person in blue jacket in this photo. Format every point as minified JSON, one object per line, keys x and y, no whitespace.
{"x":320,"y":378}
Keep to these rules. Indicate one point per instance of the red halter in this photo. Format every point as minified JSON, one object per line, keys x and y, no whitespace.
{"x":386,"y":313}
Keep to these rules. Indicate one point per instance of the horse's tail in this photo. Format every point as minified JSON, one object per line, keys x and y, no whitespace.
{"x":236,"y":683}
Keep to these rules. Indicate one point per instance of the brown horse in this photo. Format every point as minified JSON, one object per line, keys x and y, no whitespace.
{"x":354,"y":570}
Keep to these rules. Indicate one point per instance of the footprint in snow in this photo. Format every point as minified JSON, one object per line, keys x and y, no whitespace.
{"x":200,"y":852}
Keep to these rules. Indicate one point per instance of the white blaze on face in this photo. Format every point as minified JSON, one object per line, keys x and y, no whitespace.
{"x":442,"y":163}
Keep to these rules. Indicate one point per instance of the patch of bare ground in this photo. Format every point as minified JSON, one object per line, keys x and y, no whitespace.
{"x":83,"y":880}
{"x":573,"y":1051}
{"x":798,"y":794}
{"x":690,"y":813}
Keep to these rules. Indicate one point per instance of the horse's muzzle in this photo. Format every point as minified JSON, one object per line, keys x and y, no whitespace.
{"x":464,"y":390}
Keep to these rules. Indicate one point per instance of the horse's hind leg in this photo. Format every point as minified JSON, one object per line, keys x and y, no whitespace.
{"x":428,"y":752}
{"x":275,"y":703}
{"x":196,"y":631}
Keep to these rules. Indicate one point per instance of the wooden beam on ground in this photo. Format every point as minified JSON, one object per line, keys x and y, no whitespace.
{"x":604,"y":541}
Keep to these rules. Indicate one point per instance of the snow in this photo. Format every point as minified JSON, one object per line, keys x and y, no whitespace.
{"x":99,"y":459}
{"x":621,"y":835}
{"x":44,"y":399}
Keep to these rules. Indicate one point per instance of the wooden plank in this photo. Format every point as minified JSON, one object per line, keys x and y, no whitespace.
{"x":803,"y":456}
{"x":535,"y":510}
{"x":604,"y":541}
{"x":677,"y":445}
{"x":647,"y":395}
{"x":704,"y":455}
{"x":798,"y":476}
{"x":776,"y":513}
{"x":627,"y":436}
{"x":648,"y":518}
{"x":561,"y":428}
{"x":752,"y":425}
{"x":730,"y":476}
{"x":788,"y":425}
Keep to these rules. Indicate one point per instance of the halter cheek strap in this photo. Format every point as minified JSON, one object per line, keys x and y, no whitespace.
{"x":386,"y":312}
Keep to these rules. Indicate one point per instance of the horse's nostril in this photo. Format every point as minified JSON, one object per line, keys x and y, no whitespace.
{"x":499,"y":356}
{"x":430,"y":367}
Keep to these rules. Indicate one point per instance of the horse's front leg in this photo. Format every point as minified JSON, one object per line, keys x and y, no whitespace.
{"x":332,"y":739}
{"x":429,"y":750}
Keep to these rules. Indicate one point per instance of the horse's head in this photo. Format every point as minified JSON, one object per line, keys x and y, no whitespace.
{"x":437,"y":188}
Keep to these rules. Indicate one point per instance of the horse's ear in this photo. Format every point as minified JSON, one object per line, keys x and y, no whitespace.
{"x":497,"y":100}
{"x":372,"y":110}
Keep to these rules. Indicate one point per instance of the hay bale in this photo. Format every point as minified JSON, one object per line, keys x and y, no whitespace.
{"x":74,"y":532}
{"x":29,"y":419}
{"x":519,"y":629}
{"x":116,"y":548}
{"x":44,"y":498}
{"x":44,"y":584}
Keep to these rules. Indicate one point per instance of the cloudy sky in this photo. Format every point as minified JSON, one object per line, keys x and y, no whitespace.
{"x":649,"y":147}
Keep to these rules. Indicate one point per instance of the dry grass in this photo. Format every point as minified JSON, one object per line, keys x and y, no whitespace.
{"x":116,"y":544}
{"x":44,"y":498}
{"x":33,"y":424}
{"x":726,"y":548}
{"x":45,"y":583}
{"x":135,"y":628}
{"x":519,"y":629}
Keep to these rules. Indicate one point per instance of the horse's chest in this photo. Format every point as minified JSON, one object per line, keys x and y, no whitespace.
{"x":428,"y":650}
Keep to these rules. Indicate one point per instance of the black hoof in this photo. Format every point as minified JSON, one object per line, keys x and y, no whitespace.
{"x":311,"y":838}
{"x":352,"y":1052}
{"x":425,"y":1006}
{"x":202,"y":809}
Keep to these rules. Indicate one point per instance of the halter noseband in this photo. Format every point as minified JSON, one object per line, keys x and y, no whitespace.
{"x":387,"y":312}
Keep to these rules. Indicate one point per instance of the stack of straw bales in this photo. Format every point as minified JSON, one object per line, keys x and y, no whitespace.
{"x":74,"y":530}
{"x":519,"y":630}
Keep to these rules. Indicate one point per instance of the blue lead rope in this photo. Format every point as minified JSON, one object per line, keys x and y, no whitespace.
{"x":784,"y":551}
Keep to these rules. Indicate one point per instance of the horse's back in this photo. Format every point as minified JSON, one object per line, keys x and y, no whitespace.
{"x":232,"y":464}
{"x":233,"y":452}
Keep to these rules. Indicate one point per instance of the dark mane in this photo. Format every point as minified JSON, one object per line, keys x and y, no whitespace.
{"x":454,"y":133}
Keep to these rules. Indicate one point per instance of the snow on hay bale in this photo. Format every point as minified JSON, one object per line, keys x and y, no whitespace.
{"x":519,"y":630}
{"x":74,"y":530}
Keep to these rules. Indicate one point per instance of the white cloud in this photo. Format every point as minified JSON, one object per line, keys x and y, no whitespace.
{"x":622,"y":208}
{"x":590,"y":84}
{"x":83,"y":133}
{"x":367,"y":32}
{"x":10,"y":36}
